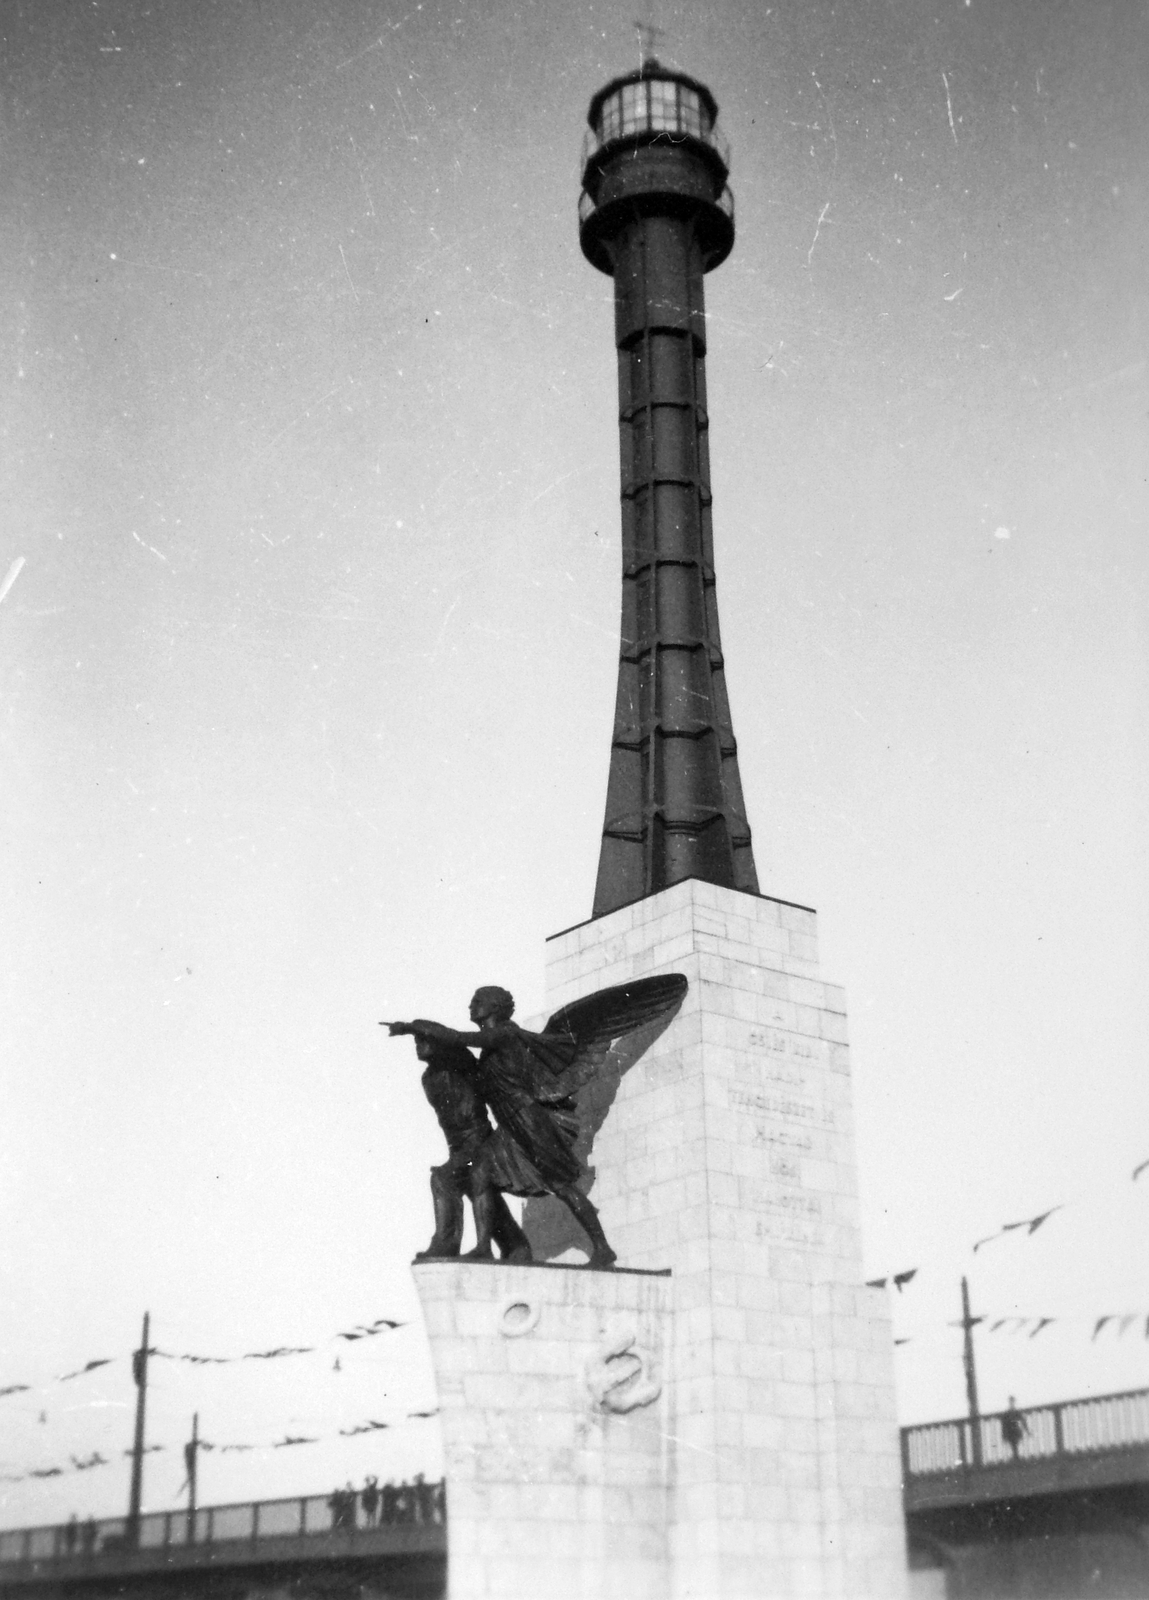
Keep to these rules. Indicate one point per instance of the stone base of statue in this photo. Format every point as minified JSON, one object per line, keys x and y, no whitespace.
{"x":556,"y":1428}
{"x":726,"y":1431}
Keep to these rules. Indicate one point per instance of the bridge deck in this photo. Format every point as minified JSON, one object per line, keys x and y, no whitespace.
{"x":280,"y":1534}
{"x":1070,"y":1447}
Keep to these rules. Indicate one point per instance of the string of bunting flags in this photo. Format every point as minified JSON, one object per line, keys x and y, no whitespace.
{"x":1119,"y":1321}
{"x":289,"y":1440}
{"x":1033,"y":1325}
{"x":360,"y":1331}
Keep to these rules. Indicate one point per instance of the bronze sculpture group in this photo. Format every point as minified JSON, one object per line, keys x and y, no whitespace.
{"x":529,"y":1082}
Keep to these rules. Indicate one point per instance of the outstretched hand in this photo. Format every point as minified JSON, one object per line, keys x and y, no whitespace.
{"x":395,"y":1028}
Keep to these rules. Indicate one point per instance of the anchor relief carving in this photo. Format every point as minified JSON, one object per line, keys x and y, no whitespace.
{"x":618,"y":1375}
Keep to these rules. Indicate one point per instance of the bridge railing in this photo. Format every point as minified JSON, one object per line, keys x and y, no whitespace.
{"x":300,"y":1517}
{"x":1068,"y":1427}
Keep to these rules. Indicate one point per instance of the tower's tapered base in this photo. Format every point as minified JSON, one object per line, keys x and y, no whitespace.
{"x":766,"y":1463}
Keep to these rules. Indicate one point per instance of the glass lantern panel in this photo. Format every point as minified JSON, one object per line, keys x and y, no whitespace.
{"x":610,"y":124}
{"x":691,"y":113}
{"x":663,"y":112}
{"x":630,"y":106}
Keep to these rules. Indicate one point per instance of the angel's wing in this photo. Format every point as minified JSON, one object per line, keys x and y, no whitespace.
{"x":595,"y":1022}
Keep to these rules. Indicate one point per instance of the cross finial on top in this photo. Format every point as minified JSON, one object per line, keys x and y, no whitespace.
{"x":647,"y":34}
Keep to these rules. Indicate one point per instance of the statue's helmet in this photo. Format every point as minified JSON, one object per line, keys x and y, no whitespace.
{"x":492,"y":1001}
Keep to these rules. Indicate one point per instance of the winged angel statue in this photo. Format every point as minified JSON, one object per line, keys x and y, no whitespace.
{"x":531,"y":1084}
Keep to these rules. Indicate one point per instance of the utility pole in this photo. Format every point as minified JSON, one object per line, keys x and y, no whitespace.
{"x":191,"y":1456}
{"x":140,"y":1374}
{"x":968,"y":1324}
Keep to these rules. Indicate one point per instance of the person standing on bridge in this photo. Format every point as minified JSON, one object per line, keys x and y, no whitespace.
{"x":1013,"y":1428}
{"x":369,"y":1500}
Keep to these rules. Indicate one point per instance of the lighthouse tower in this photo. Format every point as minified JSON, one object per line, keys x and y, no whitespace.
{"x":713,"y":1419}
{"x":656,"y":215}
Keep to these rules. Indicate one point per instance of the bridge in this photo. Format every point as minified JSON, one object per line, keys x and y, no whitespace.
{"x":1066,"y":1514}
{"x":313,"y":1545}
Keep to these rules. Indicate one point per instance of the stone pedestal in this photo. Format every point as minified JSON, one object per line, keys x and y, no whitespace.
{"x":723,"y":1151}
{"x":556,"y":1429}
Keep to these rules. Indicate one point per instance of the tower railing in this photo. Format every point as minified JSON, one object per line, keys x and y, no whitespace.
{"x":587,"y":206}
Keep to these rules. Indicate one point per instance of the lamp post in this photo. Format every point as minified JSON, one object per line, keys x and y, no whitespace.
{"x":140,"y":1376}
{"x":968,"y":1324}
{"x":191,"y":1460}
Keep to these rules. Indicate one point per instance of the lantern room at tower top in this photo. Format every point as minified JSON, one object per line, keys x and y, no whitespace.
{"x":649,"y":116}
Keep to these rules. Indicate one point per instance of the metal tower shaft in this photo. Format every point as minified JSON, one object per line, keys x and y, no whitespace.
{"x":656,"y":215}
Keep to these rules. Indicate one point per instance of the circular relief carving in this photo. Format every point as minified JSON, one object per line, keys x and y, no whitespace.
{"x":517,"y":1316}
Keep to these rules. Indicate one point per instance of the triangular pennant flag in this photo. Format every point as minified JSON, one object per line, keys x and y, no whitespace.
{"x":90,"y":1367}
{"x":902,"y":1278}
{"x":876,"y":1283}
{"x":1042,"y":1322}
{"x":282,"y":1350}
{"x":1098,"y":1325}
{"x":1035,"y":1222}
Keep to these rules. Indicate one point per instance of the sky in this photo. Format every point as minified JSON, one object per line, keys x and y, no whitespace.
{"x":310,"y":560}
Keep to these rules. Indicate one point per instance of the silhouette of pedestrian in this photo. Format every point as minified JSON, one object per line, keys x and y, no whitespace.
{"x":369,"y":1500}
{"x":1013,"y":1428}
{"x":342,"y":1503}
{"x":88,"y":1536}
{"x":424,"y":1495}
{"x":71,"y":1534}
